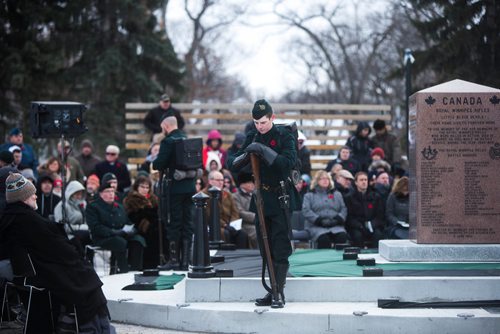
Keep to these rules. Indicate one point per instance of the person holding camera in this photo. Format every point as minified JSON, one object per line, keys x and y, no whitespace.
{"x":325,"y":212}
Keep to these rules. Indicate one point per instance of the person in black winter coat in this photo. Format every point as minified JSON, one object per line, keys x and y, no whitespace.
{"x":154,"y":117}
{"x":397,"y":210}
{"x":345,"y":160}
{"x":112,"y":164}
{"x":361,"y":145}
{"x":35,"y":243}
{"x":304,"y":155}
{"x":4,"y":173}
{"x":46,"y":199}
{"x":365,"y":219}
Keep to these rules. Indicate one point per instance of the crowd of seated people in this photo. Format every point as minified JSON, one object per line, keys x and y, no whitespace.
{"x":358,"y":199}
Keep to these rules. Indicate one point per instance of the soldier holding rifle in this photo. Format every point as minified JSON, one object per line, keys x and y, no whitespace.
{"x":273,"y":152}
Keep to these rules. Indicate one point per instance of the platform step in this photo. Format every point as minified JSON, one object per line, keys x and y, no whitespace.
{"x":349,"y":289}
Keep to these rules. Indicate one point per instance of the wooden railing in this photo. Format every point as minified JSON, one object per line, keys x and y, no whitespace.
{"x":326,"y":126}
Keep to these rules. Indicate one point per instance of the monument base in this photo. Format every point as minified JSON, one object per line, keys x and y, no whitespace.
{"x":409,"y":251}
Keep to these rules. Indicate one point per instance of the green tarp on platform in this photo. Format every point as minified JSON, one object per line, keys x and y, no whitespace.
{"x":329,"y":263}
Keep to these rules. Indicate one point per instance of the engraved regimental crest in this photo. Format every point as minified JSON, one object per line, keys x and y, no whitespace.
{"x":495,"y":100}
{"x":429,"y":153}
{"x":495,"y":152}
{"x":262,"y":107}
{"x":430,"y":100}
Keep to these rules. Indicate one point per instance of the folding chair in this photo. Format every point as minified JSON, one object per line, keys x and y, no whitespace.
{"x":299,"y":234}
{"x":24,"y":269}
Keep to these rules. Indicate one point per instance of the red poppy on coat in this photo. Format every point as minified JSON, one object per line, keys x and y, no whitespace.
{"x":370,"y":206}
{"x":118,"y":165}
{"x":272,"y":143}
{"x":115,"y":204}
{"x":330,"y":196}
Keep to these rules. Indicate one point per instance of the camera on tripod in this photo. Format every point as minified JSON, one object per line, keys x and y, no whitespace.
{"x":56,"y":119}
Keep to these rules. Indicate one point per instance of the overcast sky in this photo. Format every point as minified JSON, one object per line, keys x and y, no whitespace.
{"x":254,"y":48}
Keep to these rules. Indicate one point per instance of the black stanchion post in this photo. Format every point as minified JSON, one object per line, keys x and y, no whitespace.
{"x":201,"y":267}
{"x":215,"y":237}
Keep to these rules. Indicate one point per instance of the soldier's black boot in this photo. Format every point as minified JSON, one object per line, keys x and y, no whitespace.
{"x":173,"y":261}
{"x":264,"y":301}
{"x":186,"y":254}
{"x":280,"y":271}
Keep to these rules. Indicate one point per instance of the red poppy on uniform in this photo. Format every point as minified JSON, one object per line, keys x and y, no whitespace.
{"x":272,"y":143}
{"x":330,"y":196}
{"x":370,"y":206}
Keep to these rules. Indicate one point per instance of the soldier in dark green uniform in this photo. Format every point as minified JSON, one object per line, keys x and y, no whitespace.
{"x":180,"y":228}
{"x":277,"y":150}
{"x":111,"y":229}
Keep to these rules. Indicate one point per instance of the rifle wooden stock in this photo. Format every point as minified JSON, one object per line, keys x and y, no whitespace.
{"x":255,"y":161}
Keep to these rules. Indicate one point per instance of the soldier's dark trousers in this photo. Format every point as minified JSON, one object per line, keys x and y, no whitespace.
{"x":281,"y":249}
{"x":181,"y":220}
{"x":278,"y":237}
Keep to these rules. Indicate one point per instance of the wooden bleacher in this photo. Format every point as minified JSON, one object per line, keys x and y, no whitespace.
{"x":326,"y":126}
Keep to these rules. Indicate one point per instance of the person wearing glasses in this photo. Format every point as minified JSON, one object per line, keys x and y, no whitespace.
{"x":112,"y":165}
{"x":228,"y":212}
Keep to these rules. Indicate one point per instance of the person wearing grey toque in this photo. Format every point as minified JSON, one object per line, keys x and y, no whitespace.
{"x":41,"y":251}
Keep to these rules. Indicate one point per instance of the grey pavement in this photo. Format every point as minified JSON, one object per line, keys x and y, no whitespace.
{"x":15,"y":328}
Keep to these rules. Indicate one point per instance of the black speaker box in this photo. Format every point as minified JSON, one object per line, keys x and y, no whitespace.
{"x":54,"y":119}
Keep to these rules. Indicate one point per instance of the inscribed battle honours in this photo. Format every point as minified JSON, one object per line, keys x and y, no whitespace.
{"x":455,"y":164}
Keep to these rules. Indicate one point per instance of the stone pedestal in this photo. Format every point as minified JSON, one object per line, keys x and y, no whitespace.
{"x":454,"y":164}
{"x":409,"y":251}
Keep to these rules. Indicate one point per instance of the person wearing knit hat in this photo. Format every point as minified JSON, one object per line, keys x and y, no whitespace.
{"x":112,"y":164}
{"x":93,"y":181}
{"x":214,"y":145}
{"x":92,"y":187}
{"x":59,"y":267}
{"x":4,"y":173}
{"x":108,"y":180}
{"x":87,"y":159}
{"x":276,"y":149}
{"x":20,"y":189}
{"x":111,"y":229}
{"x":377,"y":154}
